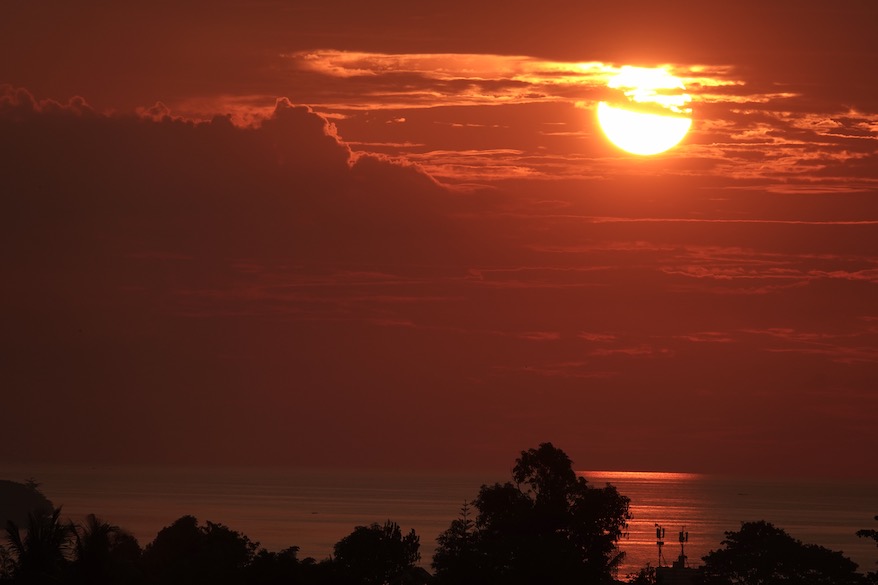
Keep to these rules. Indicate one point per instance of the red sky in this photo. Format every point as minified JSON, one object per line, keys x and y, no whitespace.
{"x":391,"y":234}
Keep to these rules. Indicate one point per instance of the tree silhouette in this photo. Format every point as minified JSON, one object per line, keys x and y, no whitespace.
{"x":873,"y":534}
{"x":869,"y":533}
{"x":457,"y":559}
{"x":5,"y":565}
{"x":105,"y":554}
{"x":548,"y":527}
{"x":184,"y":553}
{"x":280,"y":568}
{"x":645,"y":576}
{"x":40,"y":556}
{"x":17,"y":500}
{"x":761,"y":554}
{"x":378,"y":555}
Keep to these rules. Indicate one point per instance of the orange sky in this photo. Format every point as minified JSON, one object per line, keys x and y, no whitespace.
{"x":391,"y":234}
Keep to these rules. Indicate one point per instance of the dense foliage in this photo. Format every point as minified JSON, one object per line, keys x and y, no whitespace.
{"x":39,"y":554}
{"x":375,"y":554}
{"x":761,"y":554}
{"x":547,"y":526}
{"x":17,"y":499}
{"x":873,"y":534}
{"x":96,"y":553}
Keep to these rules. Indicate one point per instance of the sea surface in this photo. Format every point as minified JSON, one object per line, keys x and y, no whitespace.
{"x":313,"y":509}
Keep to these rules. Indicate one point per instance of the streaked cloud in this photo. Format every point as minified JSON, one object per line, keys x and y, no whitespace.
{"x":746,"y":129}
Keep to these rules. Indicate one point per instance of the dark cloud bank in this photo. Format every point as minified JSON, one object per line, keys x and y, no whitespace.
{"x":202,"y":292}
{"x":134,"y":248}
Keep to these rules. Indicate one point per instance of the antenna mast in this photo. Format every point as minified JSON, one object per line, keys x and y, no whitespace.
{"x":683,"y":538}
{"x":660,"y":542}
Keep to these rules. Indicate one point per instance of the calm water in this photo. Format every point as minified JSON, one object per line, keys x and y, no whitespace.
{"x":315,"y":509}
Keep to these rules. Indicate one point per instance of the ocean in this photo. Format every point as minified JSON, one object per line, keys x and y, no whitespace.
{"x":313,"y":509}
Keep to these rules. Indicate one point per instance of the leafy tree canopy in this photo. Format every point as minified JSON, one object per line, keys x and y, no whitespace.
{"x":104,"y":554}
{"x":377,"y":555}
{"x":547,"y":526}
{"x":17,"y":500}
{"x":873,"y":534}
{"x":869,"y":533}
{"x":185,"y":552}
{"x":761,"y":554}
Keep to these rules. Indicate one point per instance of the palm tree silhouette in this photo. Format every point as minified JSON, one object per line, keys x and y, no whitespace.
{"x":40,"y":556}
{"x":93,"y":548}
{"x":105,"y":554}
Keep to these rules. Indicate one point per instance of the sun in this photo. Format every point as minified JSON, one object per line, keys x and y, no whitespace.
{"x":649,"y":114}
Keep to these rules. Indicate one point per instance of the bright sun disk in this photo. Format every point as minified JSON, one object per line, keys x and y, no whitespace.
{"x":649,"y":114}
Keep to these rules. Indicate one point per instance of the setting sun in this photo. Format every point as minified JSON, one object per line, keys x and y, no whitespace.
{"x":310,"y":269}
{"x":649,"y":114}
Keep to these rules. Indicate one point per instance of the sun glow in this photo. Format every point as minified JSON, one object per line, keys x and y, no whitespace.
{"x":649,"y":113}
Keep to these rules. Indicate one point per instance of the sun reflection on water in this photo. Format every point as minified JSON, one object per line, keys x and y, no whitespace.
{"x":639,"y":475}
{"x":674,"y":500}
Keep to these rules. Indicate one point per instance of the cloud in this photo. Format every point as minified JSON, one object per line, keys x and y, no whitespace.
{"x":184,"y":277}
{"x":575,"y":370}
{"x":851,"y":345}
{"x":454,"y":79}
{"x":707,"y":337}
{"x":597,"y":337}
{"x":541,"y":335}
{"x":636,"y":351}
{"x":746,"y":128}
{"x":271,"y":189}
{"x":795,"y":91}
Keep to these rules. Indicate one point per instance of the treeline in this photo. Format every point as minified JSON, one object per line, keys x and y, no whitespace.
{"x":97,"y":553}
{"x":547,"y":526}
